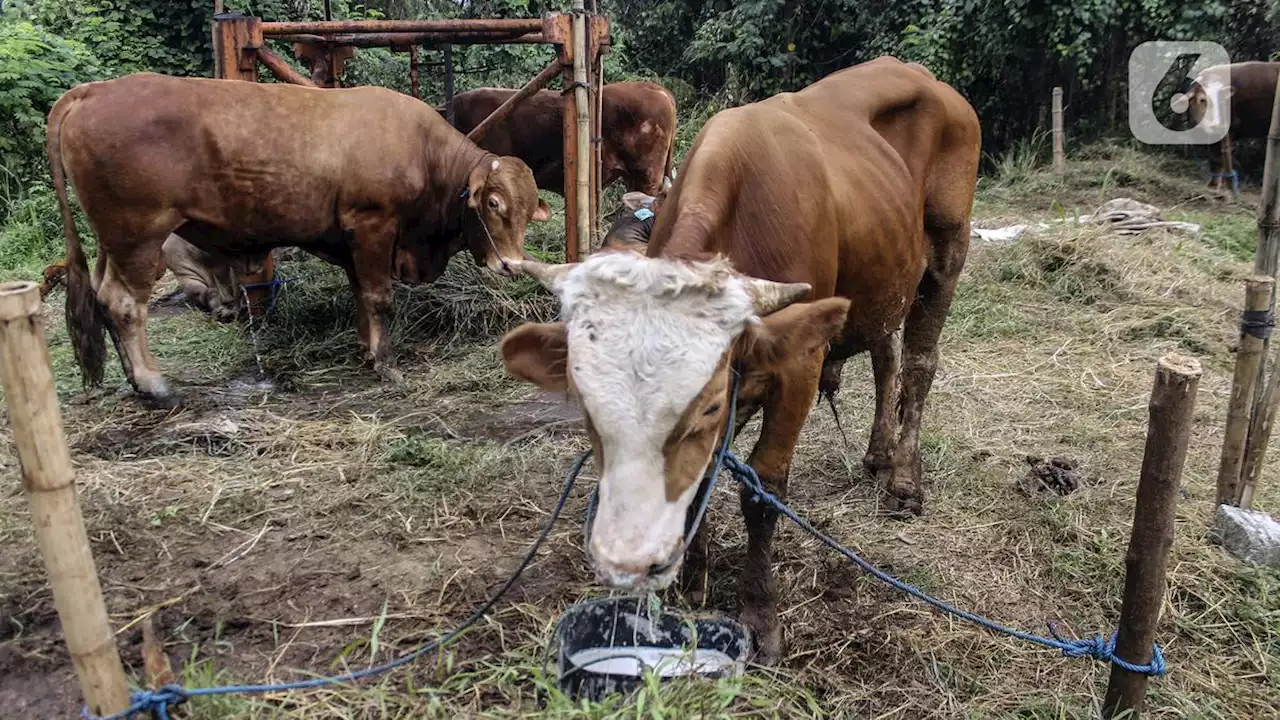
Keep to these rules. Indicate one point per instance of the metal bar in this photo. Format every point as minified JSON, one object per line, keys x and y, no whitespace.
{"x":413,"y":72}
{"x":283,"y":70}
{"x":451,"y":114}
{"x":517,"y":25}
{"x":419,"y":38}
{"x":503,"y":111}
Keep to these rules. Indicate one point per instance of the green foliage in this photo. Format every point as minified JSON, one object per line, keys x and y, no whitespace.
{"x":167,"y":36}
{"x":1003,"y":56}
{"x":36,"y":67}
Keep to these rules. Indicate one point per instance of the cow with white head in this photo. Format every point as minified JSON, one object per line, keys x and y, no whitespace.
{"x":649,"y":348}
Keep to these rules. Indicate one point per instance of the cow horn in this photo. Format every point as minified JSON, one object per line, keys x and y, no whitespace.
{"x":550,"y":276}
{"x":768,"y":296}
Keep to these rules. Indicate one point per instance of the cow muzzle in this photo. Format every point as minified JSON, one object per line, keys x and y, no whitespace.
{"x":630,"y":575}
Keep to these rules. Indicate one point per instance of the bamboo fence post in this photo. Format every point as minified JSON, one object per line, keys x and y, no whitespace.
{"x":569,"y":130}
{"x":582,"y":107}
{"x":1254,"y":329}
{"x":1059,"y":151}
{"x":55,"y":510}
{"x":1265,"y":262}
{"x":1173,"y":401}
{"x":1259,"y":437}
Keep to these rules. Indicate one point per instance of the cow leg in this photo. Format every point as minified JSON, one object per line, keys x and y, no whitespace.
{"x":124,"y":290}
{"x":694,"y":581}
{"x":785,"y":412}
{"x":886,"y":365}
{"x":902,"y":482}
{"x":372,"y":248}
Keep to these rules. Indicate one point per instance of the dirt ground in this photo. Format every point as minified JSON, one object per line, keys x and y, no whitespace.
{"x":304,"y":518}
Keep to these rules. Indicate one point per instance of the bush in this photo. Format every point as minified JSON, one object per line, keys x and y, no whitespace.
{"x":36,"y":68}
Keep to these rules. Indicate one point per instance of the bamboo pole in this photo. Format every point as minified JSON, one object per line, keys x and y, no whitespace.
{"x":1259,"y":438}
{"x":55,"y":510}
{"x":1265,"y":262}
{"x":1059,"y":152}
{"x":570,"y":136}
{"x":508,"y":106}
{"x":1254,"y":329}
{"x":1173,"y":400}
{"x":582,"y":108}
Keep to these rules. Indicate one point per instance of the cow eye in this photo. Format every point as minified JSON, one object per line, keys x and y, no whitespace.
{"x":493,"y":203}
{"x":711,"y":410}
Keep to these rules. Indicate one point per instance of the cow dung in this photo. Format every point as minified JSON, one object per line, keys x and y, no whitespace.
{"x":1057,"y":475}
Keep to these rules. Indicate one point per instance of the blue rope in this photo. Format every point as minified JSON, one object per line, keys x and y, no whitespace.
{"x":1235,"y":180}
{"x":1096,"y":647}
{"x":159,"y":701}
{"x":275,"y":284}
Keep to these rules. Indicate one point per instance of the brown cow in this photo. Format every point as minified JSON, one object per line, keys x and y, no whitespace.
{"x":638,"y":125}
{"x":633,"y":223}
{"x":855,"y":192}
{"x":366,"y":178}
{"x":1236,"y":97}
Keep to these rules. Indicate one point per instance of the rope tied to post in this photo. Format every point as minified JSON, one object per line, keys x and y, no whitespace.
{"x":570,"y":87}
{"x":1095,"y":646}
{"x":1257,"y":323}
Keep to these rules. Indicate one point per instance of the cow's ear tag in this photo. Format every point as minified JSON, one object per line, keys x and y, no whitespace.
{"x":644,"y":214}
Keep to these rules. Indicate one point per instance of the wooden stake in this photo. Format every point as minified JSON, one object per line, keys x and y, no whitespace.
{"x":1059,"y":153}
{"x":55,"y":510}
{"x":1173,"y":400}
{"x":1228,"y":165}
{"x":1249,"y":357}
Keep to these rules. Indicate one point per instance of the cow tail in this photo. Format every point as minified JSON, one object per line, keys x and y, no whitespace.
{"x":85,"y":316}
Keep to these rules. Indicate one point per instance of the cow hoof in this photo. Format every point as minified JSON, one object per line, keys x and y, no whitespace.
{"x":902,"y":497}
{"x":766,"y":635}
{"x":876,"y":463}
{"x":155,"y":401}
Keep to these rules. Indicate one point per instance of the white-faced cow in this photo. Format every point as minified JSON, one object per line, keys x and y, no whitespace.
{"x":1235,"y":99}
{"x":801,"y":229}
{"x":366,"y":178}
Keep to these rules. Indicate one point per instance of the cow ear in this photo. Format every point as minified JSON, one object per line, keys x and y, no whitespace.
{"x":475,"y":184}
{"x":635,"y":200}
{"x":542,"y":213}
{"x":1179,"y":102}
{"x":537,"y":353}
{"x":794,"y":331}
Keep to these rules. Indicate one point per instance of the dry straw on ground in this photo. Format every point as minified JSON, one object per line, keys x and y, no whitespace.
{"x":334,"y":520}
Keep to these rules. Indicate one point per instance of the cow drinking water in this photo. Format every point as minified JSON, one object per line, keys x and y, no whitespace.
{"x":801,"y":229}
{"x":365,"y":178}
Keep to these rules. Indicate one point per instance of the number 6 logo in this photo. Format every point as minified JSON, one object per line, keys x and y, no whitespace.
{"x":1206,"y":106}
